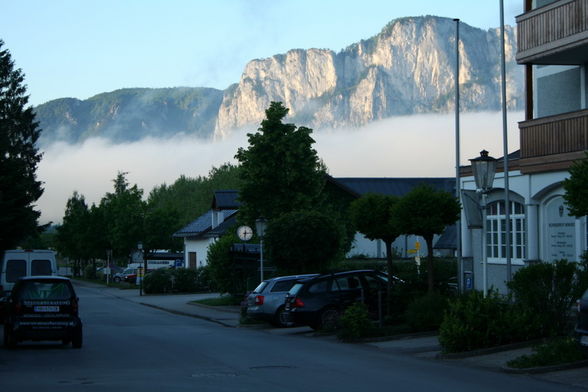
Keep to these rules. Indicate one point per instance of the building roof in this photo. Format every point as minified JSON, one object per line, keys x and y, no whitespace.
{"x":229,"y":222}
{"x":197,"y":227}
{"x":225,"y":200}
{"x":393,"y":186}
{"x":448,"y":239}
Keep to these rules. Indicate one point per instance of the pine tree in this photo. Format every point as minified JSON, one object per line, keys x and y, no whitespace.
{"x":19,"y":157}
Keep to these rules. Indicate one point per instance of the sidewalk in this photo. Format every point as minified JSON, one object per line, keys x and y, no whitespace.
{"x":425,"y":347}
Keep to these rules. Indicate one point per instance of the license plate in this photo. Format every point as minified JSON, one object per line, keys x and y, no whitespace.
{"x":46,"y":308}
{"x":584,"y":340}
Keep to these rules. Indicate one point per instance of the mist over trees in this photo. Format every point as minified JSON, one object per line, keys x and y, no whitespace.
{"x":19,"y":157}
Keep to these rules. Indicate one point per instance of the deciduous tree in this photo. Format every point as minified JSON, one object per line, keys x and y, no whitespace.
{"x":425,"y":211}
{"x":576,"y":187}
{"x":372,"y":216}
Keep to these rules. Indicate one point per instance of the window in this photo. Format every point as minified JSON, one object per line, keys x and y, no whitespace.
{"x":496,"y":231}
{"x":15,"y":269}
{"x":41,"y":267}
{"x":284,"y":285}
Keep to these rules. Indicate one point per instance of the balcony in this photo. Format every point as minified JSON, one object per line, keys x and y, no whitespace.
{"x":554,"y":34}
{"x":554,"y":142}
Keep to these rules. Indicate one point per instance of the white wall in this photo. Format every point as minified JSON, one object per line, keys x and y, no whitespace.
{"x":200,"y":246}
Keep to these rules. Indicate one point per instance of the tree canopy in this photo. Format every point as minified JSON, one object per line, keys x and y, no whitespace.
{"x":372,"y":216}
{"x":280,"y":171}
{"x":576,"y":187}
{"x":425,"y":211}
{"x":19,"y":157}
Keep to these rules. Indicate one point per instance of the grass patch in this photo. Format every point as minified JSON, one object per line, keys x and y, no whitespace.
{"x":227,"y":300}
{"x":555,"y":352}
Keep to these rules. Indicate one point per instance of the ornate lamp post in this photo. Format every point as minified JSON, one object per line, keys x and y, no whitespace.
{"x":260,"y":225}
{"x":484,"y":168}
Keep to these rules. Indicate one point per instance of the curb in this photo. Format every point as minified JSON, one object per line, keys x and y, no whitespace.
{"x":179,"y":312}
{"x":489,"y":350}
{"x":546,"y":369}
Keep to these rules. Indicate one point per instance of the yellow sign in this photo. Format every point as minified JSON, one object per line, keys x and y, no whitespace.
{"x":417,"y":245}
{"x":140,"y":272}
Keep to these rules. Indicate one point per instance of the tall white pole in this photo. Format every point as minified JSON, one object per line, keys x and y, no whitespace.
{"x":457,"y":157}
{"x":505,"y":148}
{"x":484,"y":245}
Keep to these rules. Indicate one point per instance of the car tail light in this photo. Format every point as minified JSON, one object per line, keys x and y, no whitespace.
{"x":259,"y":299}
{"x":297,"y":303}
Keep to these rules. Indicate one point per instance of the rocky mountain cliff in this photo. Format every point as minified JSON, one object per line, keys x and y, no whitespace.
{"x":407,"y":68}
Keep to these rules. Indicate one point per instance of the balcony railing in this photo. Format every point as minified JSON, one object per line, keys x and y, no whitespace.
{"x":551,"y":30}
{"x":559,"y":134}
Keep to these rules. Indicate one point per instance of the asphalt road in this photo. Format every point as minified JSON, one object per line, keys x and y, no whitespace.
{"x":130,"y":347}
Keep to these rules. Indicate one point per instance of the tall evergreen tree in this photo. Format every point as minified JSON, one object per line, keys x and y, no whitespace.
{"x":19,"y":157}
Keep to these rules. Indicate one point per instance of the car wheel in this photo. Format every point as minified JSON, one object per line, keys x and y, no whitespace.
{"x":117,"y":279}
{"x":9,"y":338}
{"x":329,"y":319}
{"x":281,"y":318}
{"x":77,"y":338}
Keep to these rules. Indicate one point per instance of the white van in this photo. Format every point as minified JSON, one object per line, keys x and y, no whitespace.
{"x":17,"y":263}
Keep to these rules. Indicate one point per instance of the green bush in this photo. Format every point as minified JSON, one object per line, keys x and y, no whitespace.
{"x":556,"y":352}
{"x":158,"y":281}
{"x":89,"y":272}
{"x":426,"y":313}
{"x":186,"y":280}
{"x":473,"y":322}
{"x":548,"y":292}
{"x":354,"y":323}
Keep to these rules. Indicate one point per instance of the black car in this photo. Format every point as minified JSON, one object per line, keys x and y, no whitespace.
{"x":42,"y":308}
{"x":319,"y":302}
{"x":582,"y":326}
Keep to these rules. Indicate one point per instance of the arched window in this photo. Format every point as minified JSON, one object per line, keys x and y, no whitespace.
{"x":496,"y":231}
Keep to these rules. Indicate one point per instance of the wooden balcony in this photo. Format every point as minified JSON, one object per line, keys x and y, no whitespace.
{"x":554,"y":34}
{"x":554,"y":142}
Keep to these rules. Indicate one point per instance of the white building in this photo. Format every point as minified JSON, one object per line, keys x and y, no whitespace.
{"x":553,"y":47}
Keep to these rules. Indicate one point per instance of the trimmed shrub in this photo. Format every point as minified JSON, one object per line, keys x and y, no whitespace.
{"x":89,"y":272}
{"x":426,"y":313}
{"x":186,"y":280}
{"x":547,"y":291}
{"x":354,"y":323}
{"x":556,"y":352}
{"x":158,"y":281}
{"x":473,"y":322}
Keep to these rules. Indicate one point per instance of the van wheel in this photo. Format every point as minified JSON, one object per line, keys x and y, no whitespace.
{"x":77,"y":338}
{"x":9,"y":338}
{"x":329,"y":319}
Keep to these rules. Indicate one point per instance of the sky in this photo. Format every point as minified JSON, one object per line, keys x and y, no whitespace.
{"x":80,"y":48}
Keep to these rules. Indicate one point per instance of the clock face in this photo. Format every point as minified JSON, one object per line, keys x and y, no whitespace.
{"x":245,"y":233}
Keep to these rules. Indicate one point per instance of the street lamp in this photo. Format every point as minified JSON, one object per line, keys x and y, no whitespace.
{"x":260,"y":225}
{"x":484,"y":168}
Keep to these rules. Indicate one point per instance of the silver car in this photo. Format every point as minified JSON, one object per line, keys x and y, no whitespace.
{"x":267,"y":301}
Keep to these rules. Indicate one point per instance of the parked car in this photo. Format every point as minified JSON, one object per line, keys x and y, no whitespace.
{"x":582,"y":325}
{"x":319,"y":302}
{"x":42,"y":308}
{"x":267,"y":301}
{"x":128,"y":275}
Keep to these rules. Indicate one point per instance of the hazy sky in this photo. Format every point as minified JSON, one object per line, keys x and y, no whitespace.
{"x":80,"y":48}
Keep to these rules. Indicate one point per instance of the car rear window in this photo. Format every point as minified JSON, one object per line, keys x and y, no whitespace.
{"x":283,"y":286}
{"x":15,"y":269}
{"x":41,"y":267}
{"x":294,"y":290}
{"x":32,"y":290}
{"x":261,"y":287}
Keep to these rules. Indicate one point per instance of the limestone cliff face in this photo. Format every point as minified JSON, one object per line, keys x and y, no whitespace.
{"x":408,"y":68}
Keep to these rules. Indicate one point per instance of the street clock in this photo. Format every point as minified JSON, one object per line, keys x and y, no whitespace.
{"x":244,"y":233}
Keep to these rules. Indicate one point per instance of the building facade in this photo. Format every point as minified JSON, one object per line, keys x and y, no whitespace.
{"x":553,"y":48}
